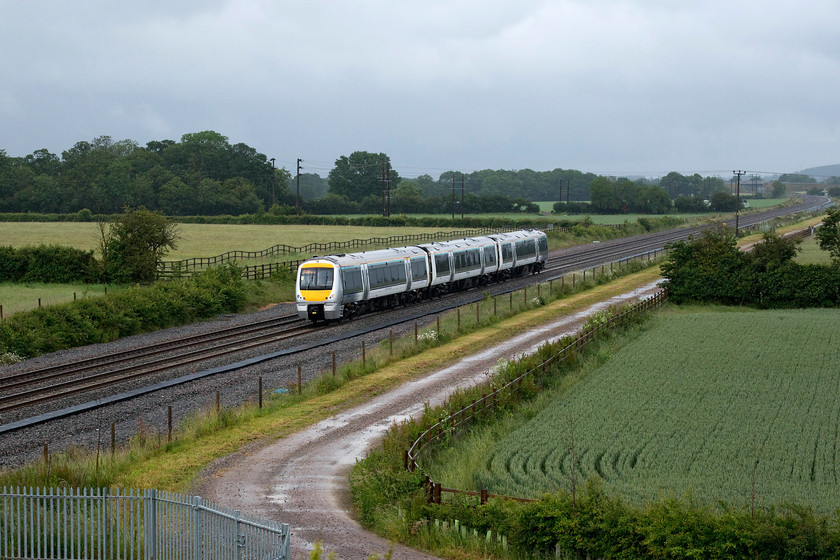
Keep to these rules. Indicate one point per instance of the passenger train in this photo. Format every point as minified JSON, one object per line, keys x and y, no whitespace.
{"x":345,"y":285}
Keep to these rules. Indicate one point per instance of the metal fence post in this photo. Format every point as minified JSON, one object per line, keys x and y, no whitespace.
{"x":196,"y":528}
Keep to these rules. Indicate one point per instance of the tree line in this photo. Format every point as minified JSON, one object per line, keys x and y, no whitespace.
{"x":201,"y":174}
{"x":204,"y":174}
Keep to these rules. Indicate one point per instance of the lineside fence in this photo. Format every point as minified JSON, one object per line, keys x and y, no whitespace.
{"x":129,"y":524}
{"x":463,"y":417}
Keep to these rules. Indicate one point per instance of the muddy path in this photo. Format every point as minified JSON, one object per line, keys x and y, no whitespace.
{"x":302,"y":479}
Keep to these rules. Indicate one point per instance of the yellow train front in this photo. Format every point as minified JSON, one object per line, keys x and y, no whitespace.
{"x":318,"y":294}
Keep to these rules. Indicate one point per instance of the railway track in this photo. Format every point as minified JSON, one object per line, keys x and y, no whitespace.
{"x":39,"y":387}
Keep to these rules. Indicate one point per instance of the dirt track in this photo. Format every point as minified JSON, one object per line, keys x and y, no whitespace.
{"x":302,"y":479}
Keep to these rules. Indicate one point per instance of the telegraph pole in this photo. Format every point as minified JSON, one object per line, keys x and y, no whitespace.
{"x":382,"y":180}
{"x":738,"y":200}
{"x":388,"y":187}
{"x":273,"y":180}
{"x":462,"y":196}
{"x":297,"y":181}
{"x":453,"y":196}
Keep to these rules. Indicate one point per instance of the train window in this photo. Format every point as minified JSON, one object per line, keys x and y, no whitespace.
{"x":398,"y":272}
{"x":467,"y":260}
{"x":543,"y":242}
{"x":386,"y":274}
{"x":316,"y":278}
{"x":418,"y":269}
{"x":352,"y":278}
{"x":490,"y":255}
{"x":507,"y":253}
{"x":442,"y":264}
{"x":525,"y":249}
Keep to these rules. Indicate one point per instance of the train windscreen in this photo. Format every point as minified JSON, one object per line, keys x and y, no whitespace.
{"x":316,"y":278}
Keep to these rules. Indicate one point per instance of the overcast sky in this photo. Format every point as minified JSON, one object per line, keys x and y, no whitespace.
{"x":614,"y":87}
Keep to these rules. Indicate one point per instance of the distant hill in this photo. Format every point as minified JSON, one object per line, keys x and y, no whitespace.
{"x":823,"y":172}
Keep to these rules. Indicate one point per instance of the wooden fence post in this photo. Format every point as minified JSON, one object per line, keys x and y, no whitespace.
{"x":364,"y":360}
{"x":299,"y":379}
{"x":260,"y":390}
{"x":169,"y":423}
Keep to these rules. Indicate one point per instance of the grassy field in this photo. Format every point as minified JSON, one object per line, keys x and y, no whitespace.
{"x":201,"y":240}
{"x":717,"y":405}
{"x":811,"y":253}
{"x":23,"y":297}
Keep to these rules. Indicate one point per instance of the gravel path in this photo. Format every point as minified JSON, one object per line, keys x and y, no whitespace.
{"x":302,"y":479}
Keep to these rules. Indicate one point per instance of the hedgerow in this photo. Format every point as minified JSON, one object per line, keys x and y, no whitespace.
{"x":136,"y":310}
{"x":47,"y":263}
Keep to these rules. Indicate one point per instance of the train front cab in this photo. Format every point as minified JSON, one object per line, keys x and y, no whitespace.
{"x":318,"y":294}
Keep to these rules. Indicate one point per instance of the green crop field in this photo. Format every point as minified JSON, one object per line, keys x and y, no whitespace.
{"x":713,"y":405}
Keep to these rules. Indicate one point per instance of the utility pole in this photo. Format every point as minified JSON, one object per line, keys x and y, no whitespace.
{"x":462,"y":196}
{"x":388,"y":187}
{"x":738,"y":200}
{"x":297,"y":181}
{"x":453,"y":197}
{"x":382,"y":180}
{"x":273,"y":180}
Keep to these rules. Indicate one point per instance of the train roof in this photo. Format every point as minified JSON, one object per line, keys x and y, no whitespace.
{"x":367,"y":257}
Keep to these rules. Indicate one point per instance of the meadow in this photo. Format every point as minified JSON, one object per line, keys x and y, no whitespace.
{"x":733,"y":406}
{"x":200,"y":240}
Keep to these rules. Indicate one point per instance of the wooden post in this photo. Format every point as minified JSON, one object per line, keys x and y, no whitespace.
{"x":391,"y":342}
{"x":364,"y":361}
{"x":438,"y":326}
{"x":259,"y":389}
{"x":299,"y":383}
{"x":459,"y":319}
{"x":415,"y":332}
{"x":477,"y":315}
{"x":74,"y":296}
{"x":113,"y":438}
{"x":510,"y":302}
{"x":218,"y":403}
{"x":494,"y":307}
{"x":333,"y":362}
{"x":525,"y":296}
{"x":539,"y":290}
{"x":39,"y":303}
{"x":1,"y":311}
{"x":169,"y":423}
{"x":46,"y":453}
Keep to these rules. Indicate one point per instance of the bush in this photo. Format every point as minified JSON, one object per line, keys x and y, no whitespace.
{"x":47,"y":263}
{"x":137,"y":310}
